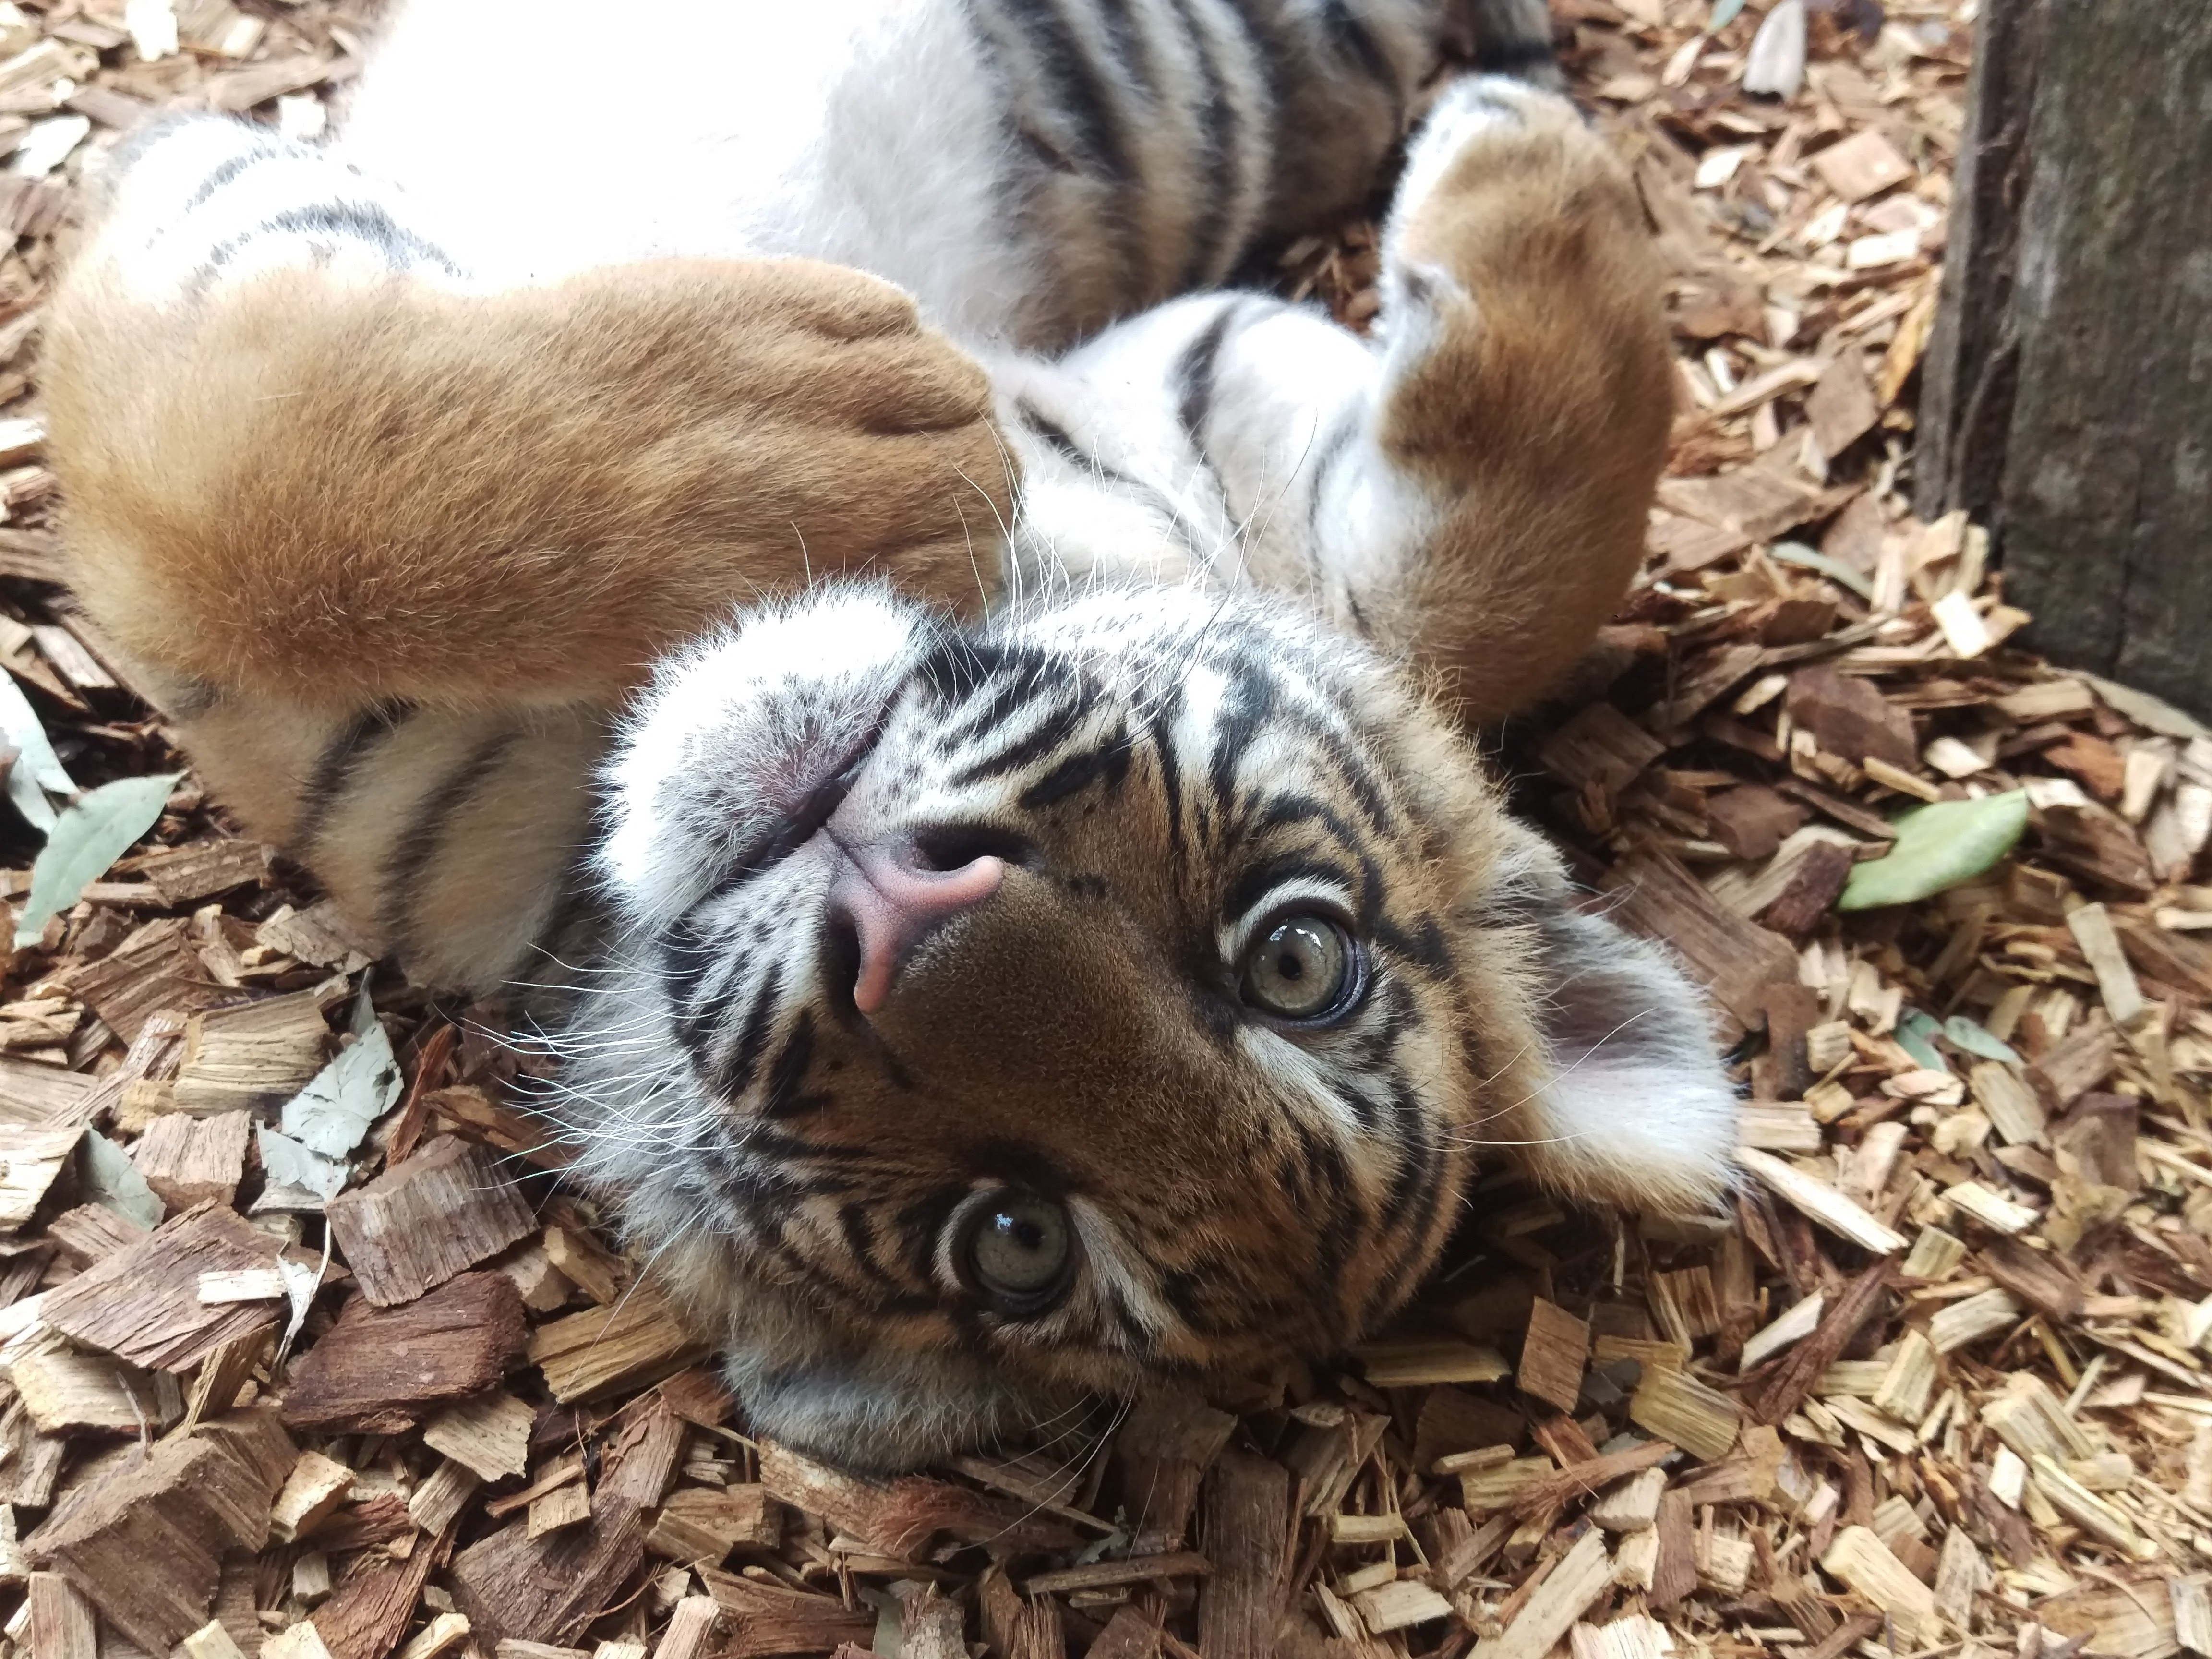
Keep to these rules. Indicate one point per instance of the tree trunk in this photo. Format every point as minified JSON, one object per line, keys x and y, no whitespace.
{"x":2067,"y":396}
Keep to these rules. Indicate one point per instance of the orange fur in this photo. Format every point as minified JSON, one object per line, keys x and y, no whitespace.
{"x":1540,"y":415}
{"x":330,"y":491}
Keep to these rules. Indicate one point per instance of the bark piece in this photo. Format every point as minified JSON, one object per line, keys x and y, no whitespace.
{"x":153,"y":971}
{"x":420,"y":1223}
{"x":593,"y":1353}
{"x":370,"y":1611}
{"x":490,"y":1435}
{"x":188,"y":1160}
{"x":763,"y":1617}
{"x":1816,"y":880}
{"x":142,"y":1303}
{"x":2068,"y":291}
{"x":514,"y":1587}
{"x":1583,"y":1574}
{"x":1849,"y":718}
{"x":2076,"y":1066}
{"x":61,"y":1625}
{"x":700,"y":1525}
{"x":1247,"y":1520}
{"x":1735,"y":960}
{"x":1552,"y":1353}
{"x":378,"y":1368}
{"x":1601,"y":746}
{"x":80,"y":1392}
{"x":30,"y":1159}
{"x":145,"y":1540}
{"x":255,"y":1056}
{"x":1752,"y":820}
{"x":1774,"y":1396}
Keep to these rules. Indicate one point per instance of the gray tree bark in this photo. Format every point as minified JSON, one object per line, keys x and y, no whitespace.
{"x":2067,"y":394}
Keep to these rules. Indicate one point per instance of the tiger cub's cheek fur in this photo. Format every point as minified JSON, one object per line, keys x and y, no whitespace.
{"x":1156,"y":778}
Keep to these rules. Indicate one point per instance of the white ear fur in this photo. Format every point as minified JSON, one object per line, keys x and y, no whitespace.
{"x":737,"y":729}
{"x":1632,"y":1105}
{"x":1636,"y":1109}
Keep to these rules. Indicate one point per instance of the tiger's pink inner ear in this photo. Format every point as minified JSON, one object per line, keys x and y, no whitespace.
{"x":1633,"y":1108}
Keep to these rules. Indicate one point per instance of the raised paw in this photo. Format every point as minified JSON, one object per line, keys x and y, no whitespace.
{"x":1528,"y":383}
{"x":331,"y":489}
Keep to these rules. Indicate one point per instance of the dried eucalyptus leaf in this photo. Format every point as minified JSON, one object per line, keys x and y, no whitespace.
{"x":291,"y":1164}
{"x":333,"y":1112}
{"x":112,"y":1182}
{"x":38,"y":771}
{"x":94,"y":831}
{"x":1776,"y":62}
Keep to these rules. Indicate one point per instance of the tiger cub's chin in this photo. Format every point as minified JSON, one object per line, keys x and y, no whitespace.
{"x":1128,"y":987}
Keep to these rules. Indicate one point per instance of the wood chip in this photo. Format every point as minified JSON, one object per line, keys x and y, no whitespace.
{"x":1581,"y":1576}
{"x":144,"y":1540}
{"x":489,"y":1435}
{"x":1822,"y":1203}
{"x":377,"y":1369}
{"x":415,"y":1226}
{"x":189,"y":1160}
{"x":142,"y":1303}
{"x":1552,"y":1353}
{"x":589,"y":1354}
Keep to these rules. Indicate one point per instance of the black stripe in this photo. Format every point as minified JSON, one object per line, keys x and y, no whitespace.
{"x":1353,"y":39}
{"x":334,"y":767}
{"x":1256,"y":883}
{"x":1514,"y":57}
{"x":1063,"y":444}
{"x":1191,"y":377}
{"x":732,"y":1076}
{"x":410,"y":855}
{"x":226,"y":172}
{"x":1219,"y":130}
{"x":1079,"y":91}
{"x":1107,"y":764}
{"x":1052,"y":731}
{"x":366,"y":223}
{"x":782,"y":1097}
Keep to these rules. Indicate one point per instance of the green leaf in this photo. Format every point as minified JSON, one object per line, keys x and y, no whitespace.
{"x":38,"y":771}
{"x":1938,"y":847}
{"x":94,"y":831}
{"x":1724,"y":13}
{"x":1914,"y":1032}
{"x":1976,"y":1039}
{"x":1810,"y":558}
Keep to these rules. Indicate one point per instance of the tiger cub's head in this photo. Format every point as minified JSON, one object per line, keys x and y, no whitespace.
{"x":1125,"y":987}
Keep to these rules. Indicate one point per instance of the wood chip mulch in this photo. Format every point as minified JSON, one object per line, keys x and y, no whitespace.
{"x":1939,"y":1384}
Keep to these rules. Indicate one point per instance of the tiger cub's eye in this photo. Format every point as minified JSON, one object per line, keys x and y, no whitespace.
{"x":1017,"y":1251}
{"x":1302,"y":967}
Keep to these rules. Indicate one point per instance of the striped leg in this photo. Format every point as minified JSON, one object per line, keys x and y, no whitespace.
{"x":1470,"y":488}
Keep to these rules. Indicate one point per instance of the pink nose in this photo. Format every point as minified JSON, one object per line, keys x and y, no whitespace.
{"x":891,"y":899}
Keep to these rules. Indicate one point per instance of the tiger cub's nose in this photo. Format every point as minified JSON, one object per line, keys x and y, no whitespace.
{"x":890,"y":894}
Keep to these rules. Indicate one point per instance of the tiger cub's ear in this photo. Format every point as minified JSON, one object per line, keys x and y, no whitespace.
{"x":1629,"y":1104}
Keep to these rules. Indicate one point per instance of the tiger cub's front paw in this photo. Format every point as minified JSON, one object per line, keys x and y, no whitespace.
{"x":318,"y":486}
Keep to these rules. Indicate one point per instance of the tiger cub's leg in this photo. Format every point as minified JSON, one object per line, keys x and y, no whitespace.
{"x":1469,"y":487}
{"x":306,"y":455}
{"x":1526,"y":389}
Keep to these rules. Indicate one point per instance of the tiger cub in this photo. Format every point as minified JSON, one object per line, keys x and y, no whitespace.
{"x":988,"y":753}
